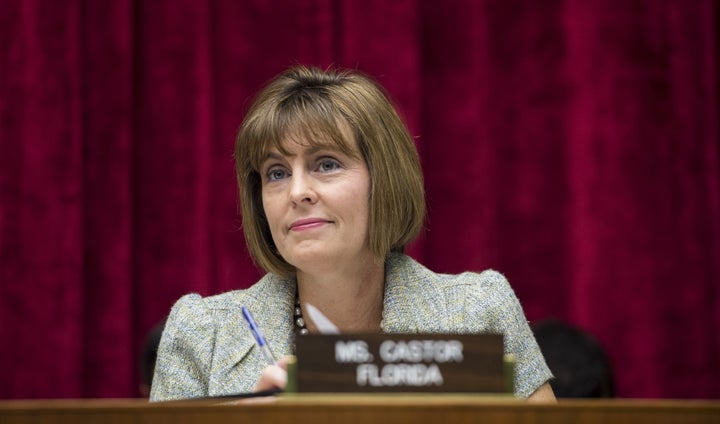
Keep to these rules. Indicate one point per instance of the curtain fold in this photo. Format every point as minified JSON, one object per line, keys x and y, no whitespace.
{"x":109,"y":314}
{"x":571,"y":145}
{"x":42,"y":198}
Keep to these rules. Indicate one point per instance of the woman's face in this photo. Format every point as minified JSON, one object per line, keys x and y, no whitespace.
{"x":316,"y":201}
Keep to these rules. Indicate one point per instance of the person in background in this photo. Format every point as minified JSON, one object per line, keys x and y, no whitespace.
{"x":148,"y":356}
{"x":578,"y":361}
{"x":331,"y":193}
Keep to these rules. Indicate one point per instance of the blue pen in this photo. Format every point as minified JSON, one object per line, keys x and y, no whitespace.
{"x":259,"y":339}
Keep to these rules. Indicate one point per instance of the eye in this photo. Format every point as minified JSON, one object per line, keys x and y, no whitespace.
{"x":328,"y":165}
{"x":275,"y":174}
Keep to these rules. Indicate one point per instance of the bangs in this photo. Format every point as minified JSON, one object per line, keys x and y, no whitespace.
{"x":304,"y":118}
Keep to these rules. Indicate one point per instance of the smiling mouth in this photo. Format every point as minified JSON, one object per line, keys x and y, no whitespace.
{"x":307,"y":224}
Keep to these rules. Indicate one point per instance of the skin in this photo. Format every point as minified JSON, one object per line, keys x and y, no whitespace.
{"x":316,"y":202}
{"x":544,"y":394}
{"x":317,"y":205}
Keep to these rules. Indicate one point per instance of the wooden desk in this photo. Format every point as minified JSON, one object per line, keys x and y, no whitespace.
{"x":348,"y":409}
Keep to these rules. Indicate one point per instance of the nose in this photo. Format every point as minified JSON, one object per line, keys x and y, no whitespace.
{"x":302,"y":189}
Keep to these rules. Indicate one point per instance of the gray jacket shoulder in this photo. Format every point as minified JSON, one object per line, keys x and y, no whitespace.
{"x":206,"y":338}
{"x":419,"y":300}
{"x":466,"y":302}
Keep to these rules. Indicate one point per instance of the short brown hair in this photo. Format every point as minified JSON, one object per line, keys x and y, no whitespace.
{"x":312,"y":102}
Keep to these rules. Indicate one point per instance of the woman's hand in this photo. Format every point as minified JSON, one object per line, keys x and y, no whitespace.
{"x":544,"y":394}
{"x":273,"y":376}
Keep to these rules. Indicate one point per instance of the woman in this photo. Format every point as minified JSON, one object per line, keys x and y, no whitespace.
{"x":331,"y":192}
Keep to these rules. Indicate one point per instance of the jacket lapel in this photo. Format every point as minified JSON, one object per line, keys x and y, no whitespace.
{"x":238,"y":363}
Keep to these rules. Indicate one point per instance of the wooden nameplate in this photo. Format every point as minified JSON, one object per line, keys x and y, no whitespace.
{"x":457,"y":363}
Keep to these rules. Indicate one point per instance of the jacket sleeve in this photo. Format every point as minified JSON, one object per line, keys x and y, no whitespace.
{"x":505,"y":315}
{"x":182,"y":369}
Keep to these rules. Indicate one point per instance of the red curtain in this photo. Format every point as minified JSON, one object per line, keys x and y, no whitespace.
{"x":572,"y":145}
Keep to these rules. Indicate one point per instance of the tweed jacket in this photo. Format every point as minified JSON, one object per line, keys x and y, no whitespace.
{"x":207,"y":349}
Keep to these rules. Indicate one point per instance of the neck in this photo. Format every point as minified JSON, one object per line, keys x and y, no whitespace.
{"x":351,"y":298}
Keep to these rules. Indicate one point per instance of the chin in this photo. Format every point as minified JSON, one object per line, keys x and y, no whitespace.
{"x":308,"y":261}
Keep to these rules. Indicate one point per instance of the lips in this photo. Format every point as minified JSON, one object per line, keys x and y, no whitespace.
{"x":307,"y":224}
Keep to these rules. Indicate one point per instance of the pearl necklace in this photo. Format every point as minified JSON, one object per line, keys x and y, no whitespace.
{"x":298,"y":317}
